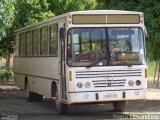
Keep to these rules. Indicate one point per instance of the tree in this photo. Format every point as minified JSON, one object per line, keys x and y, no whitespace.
{"x":62,"y":6}
{"x":151,"y":9}
{"x":15,"y":14}
{"x":6,"y":16}
{"x":28,"y":12}
{"x":6,"y":31}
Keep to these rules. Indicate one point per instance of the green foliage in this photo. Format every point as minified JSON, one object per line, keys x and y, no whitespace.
{"x":151,"y":68}
{"x":5,"y":73}
{"x":15,"y":14}
{"x":30,"y":11}
{"x":8,"y":73}
{"x":6,"y":16}
{"x":151,"y":9}
{"x":6,"y":19}
{"x":62,"y":6}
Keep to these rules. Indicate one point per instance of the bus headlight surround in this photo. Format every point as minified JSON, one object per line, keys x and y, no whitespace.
{"x":79,"y":85}
{"x":130,"y":82}
{"x":87,"y":84}
{"x":138,"y":82}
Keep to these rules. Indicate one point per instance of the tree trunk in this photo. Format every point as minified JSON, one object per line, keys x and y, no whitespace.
{"x":8,"y":61}
{"x":158,"y":84}
{"x":154,"y":79}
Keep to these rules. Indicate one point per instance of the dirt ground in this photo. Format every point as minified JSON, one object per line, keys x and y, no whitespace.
{"x":13,"y":104}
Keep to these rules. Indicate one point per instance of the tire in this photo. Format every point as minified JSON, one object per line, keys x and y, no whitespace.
{"x":38,"y":98}
{"x":61,"y":107}
{"x":119,"y":106}
{"x":31,"y":96}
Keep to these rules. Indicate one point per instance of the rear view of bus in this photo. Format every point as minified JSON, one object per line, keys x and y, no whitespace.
{"x":105,"y":58}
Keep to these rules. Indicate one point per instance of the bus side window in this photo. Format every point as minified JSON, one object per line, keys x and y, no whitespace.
{"x":22,"y":44}
{"x":28,"y":43}
{"x":44,"y":40}
{"x":35,"y":49}
{"x":53,"y":40}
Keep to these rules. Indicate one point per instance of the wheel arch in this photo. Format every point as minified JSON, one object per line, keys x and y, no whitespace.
{"x":53,"y":89}
{"x":25,"y":82}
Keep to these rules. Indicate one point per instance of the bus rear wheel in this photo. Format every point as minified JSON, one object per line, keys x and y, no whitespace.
{"x":119,"y":106}
{"x":31,"y":96}
{"x":61,"y":107}
{"x":38,"y":98}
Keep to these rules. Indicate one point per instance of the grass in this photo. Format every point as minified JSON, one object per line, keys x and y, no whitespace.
{"x":151,"y":68}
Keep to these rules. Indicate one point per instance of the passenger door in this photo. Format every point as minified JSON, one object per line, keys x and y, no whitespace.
{"x":62,"y":41}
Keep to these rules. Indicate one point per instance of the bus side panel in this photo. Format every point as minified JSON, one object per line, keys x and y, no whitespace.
{"x":43,"y":86}
{"x":39,"y":71}
{"x":20,"y":81}
{"x":46,"y":67}
{"x":38,"y":85}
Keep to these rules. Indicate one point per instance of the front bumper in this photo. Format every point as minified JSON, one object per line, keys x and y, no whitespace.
{"x":104,"y":96}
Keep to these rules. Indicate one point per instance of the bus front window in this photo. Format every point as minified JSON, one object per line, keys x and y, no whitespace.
{"x":108,"y":46}
{"x":126,"y":46}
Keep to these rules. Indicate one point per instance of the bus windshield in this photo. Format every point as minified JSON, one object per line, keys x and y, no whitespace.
{"x":105,"y":46}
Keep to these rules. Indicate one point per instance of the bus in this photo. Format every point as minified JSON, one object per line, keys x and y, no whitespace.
{"x":83,"y":57}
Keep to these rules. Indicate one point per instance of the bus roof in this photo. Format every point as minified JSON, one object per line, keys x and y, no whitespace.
{"x":64,"y":16}
{"x":105,"y":12}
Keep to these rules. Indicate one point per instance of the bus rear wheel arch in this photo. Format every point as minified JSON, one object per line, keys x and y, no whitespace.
{"x":31,"y":96}
{"x":53,"y":89}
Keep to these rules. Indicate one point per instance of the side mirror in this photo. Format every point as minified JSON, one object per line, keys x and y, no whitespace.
{"x":62,"y":33}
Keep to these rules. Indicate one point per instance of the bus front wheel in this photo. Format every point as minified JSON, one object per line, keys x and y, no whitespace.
{"x":61,"y":107}
{"x":119,"y":106}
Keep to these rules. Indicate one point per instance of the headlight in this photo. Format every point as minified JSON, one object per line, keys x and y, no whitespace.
{"x":79,"y":85}
{"x":87,"y":84}
{"x":130,"y":82}
{"x":138,"y":82}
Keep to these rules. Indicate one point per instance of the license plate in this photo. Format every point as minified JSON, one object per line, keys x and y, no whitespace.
{"x":110,"y":95}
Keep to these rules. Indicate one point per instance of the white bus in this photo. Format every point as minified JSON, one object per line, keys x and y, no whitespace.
{"x":81,"y":57}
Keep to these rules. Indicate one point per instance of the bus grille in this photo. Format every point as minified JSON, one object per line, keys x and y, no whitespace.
{"x":108,"y":78}
{"x":108,"y":83}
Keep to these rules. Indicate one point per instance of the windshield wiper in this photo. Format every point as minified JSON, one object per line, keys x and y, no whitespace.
{"x":94,"y":63}
{"x":125,"y":63}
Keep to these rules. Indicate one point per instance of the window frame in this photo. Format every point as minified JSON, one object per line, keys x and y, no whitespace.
{"x":22,"y":48}
{"x":108,"y":64}
{"x":53,"y":40}
{"x":36,"y":42}
{"x":28,"y":49}
{"x":42,"y":40}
